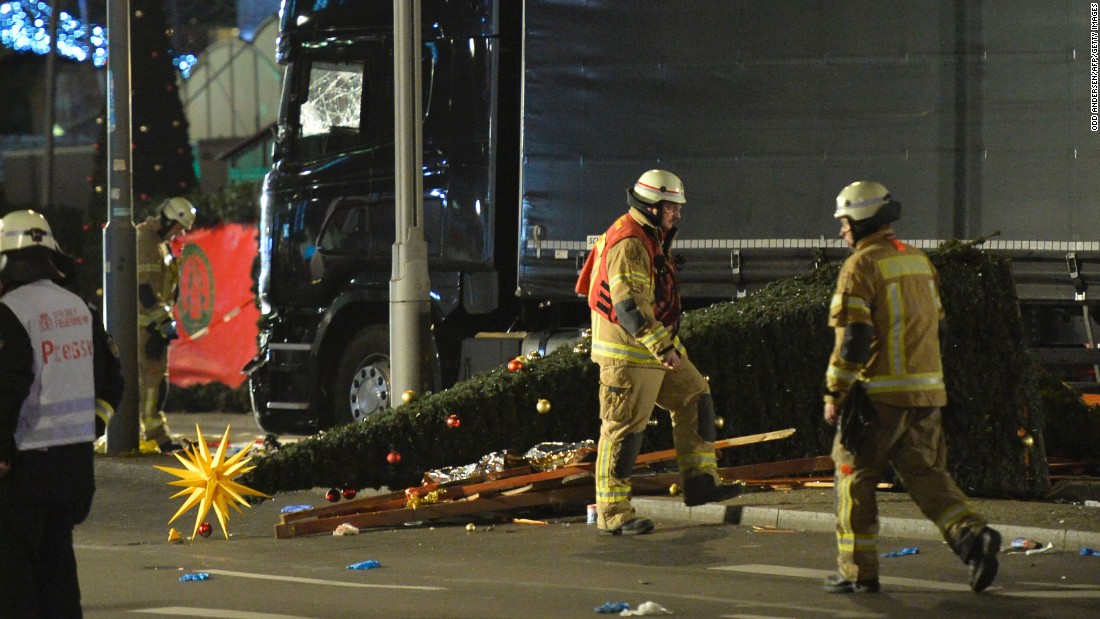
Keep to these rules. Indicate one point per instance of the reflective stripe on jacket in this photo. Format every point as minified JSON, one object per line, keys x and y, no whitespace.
{"x":60,"y":408}
{"x":893,"y":287}
{"x":628,"y":264}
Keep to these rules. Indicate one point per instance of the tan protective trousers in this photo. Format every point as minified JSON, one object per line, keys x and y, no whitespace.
{"x":152,"y":373}
{"x":911,"y":440}
{"x":627,"y":397}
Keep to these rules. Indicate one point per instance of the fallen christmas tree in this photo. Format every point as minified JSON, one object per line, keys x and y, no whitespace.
{"x":764,"y":355}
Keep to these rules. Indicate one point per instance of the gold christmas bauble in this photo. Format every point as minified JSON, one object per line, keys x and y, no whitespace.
{"x":719,"y":422}
{"x":534,"y":354}
{"x":408,"y":396}
{"x":470,"y":528}
{"x":1028,"y":441}
{"x":543,"y":406}
{"x":674,"y":490}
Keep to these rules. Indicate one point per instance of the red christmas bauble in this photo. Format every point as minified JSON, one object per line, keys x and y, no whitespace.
{"x":205,"y":529}
{"x":349,"y":493}
{"x":515,"y":365}
{"x":453,"y":421}
{"x":393,"y":457}
{"x":332,"y":495}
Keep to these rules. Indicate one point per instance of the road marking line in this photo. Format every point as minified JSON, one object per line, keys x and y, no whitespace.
{"x":318,"y":581}
{"x":1051,"y":595}
{"x":184,"y":611}
{"x":800,"y":572}
{"x":1066,"y":592}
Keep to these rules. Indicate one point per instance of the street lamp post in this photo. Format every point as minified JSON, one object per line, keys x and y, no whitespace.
{"x":120,"y":236}
{"x":409,"y":305}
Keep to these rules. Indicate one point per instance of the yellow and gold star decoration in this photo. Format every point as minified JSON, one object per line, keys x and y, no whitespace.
{"x":208,"y":481}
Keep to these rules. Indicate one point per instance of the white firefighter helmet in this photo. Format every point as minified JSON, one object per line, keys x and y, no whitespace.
{"x":657,"y":185}
{"x":179,"y":210}
{"x":23,"y":229}
{"x":861,"y":200}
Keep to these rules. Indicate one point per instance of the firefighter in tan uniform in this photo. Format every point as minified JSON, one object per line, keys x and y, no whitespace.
{"x":158,"y":286}
{"x":630,"y":281}
{"x":886,"y":311}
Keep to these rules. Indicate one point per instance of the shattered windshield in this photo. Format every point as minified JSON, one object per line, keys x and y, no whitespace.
{"x":344,"y":106}
{"x":334,"y":101}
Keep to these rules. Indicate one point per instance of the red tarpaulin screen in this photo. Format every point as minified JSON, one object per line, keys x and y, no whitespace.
{"x":216,"y":312}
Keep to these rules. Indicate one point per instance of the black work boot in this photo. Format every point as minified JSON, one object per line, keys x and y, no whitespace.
{"x":634,"y":526}
{"x":979,"y":551}
{"x":702,"y":489}
{"x":839,"y":584}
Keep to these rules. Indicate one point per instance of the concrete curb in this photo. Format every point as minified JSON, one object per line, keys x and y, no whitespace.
{"x":824,"y":522}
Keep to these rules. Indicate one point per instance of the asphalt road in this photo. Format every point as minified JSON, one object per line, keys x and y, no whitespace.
{"x":501,"y":569}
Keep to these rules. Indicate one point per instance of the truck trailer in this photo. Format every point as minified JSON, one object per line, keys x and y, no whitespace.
{"x":538,"y":115}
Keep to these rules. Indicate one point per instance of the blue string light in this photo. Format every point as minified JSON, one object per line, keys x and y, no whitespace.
{"x":24,"y":27}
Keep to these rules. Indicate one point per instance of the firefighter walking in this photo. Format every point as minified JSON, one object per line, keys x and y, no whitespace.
{"x":632,"y":289}
{"x":887,"y":314}
{"x":158,"y":290}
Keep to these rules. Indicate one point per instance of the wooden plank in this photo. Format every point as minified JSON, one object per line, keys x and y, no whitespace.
{"x":659,"y":484}
{"x":435,"y":511}
{"x":737,"y":441}
{"x":397,"y":500}
{"x":487,"y":485}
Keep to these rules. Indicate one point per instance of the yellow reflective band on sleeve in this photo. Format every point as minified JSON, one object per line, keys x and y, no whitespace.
{"x":649,"y":339}
{"x":840,"y":374}
{"x":904,"y":265}
{"x":855,"y":308}
{"x":631,"y":277}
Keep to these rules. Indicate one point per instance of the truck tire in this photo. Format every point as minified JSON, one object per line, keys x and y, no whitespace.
{"x":361,"y":387}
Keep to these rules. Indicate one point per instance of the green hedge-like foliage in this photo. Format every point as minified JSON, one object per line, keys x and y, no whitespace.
{"x":765,"y":357}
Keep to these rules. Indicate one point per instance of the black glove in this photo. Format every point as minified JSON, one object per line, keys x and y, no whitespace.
{"x":857,"y":414}
{"x":157,"y":345}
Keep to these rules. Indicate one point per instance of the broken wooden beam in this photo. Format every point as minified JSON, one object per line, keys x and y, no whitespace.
{"x":660,"y":483}
{"x":435,"y":511}
{"x":510,"y":489}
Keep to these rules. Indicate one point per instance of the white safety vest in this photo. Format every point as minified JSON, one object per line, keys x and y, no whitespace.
{"x":60,"y":409}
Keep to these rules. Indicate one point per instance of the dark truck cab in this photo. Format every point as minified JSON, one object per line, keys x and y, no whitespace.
{"x":327,"y":212}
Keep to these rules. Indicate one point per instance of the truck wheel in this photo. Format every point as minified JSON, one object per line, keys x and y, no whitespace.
{"x":362,"y":385}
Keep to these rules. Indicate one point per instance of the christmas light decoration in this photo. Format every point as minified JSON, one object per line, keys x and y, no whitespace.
{"x":24,"y":27}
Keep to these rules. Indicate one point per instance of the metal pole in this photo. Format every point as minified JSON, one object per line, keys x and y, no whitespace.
{"x":45,"y":194}
{"x":120,"y":237}
{"x":409,"y":286}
